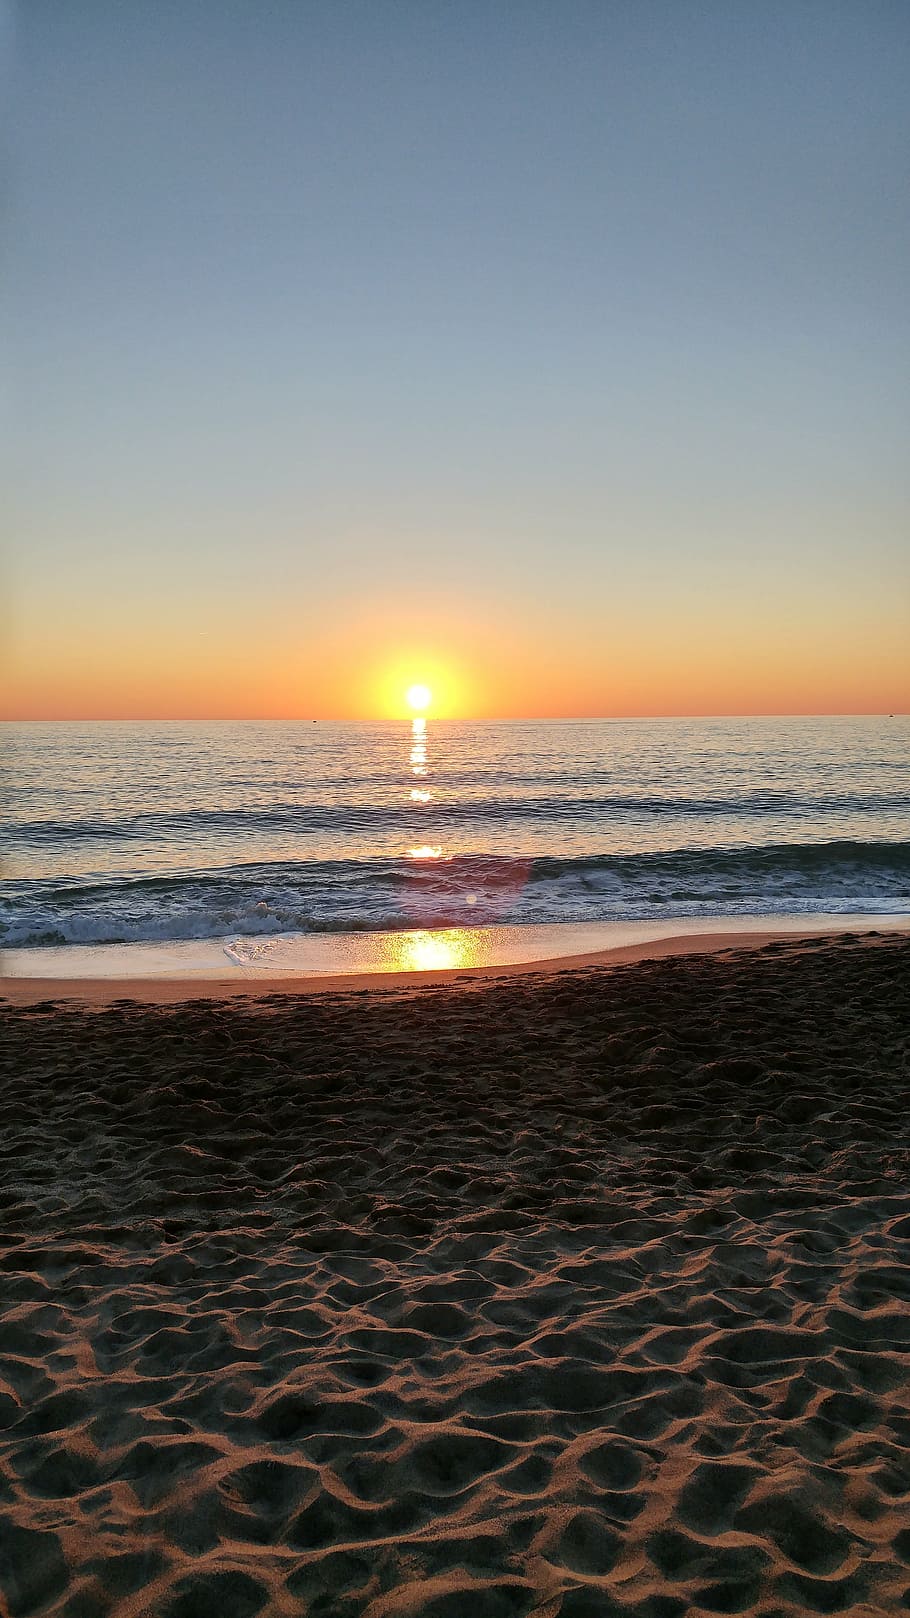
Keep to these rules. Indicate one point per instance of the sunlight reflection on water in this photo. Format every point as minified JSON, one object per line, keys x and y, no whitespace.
{"x":418,"y":761}
{"x":418,"y":746}
{"x":503,"y":878}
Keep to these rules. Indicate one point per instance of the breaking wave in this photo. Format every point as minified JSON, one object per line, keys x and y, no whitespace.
{"x":467,"y":890}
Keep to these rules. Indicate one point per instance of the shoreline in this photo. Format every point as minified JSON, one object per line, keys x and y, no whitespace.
{"x":260,"y":983}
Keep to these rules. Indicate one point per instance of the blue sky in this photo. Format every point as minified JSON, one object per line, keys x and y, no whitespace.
{"x":564,"y":321}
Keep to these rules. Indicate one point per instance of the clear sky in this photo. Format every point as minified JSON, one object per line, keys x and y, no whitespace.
{"x":558,"y":354}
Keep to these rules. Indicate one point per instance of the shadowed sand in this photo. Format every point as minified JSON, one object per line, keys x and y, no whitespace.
{"x":569,"y":1293}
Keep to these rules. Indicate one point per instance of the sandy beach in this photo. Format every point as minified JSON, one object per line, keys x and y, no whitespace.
{"x":577,"y":1293}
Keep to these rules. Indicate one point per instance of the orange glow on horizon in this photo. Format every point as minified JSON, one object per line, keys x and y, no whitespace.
{"x":474,"y":665}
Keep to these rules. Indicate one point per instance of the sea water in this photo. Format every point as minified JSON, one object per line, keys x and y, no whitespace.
{"x":253,"y":835}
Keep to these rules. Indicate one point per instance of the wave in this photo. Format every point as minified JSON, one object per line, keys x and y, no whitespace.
{"x":302,"y":818}
{"x":467,"y":890}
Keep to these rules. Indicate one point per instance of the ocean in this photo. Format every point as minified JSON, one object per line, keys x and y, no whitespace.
{"x":253,"y":834}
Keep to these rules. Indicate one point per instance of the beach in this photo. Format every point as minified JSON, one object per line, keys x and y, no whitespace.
{"x":577,"y":1292}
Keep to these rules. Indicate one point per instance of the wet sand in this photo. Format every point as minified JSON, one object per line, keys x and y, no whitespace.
{"x":577,"y":1293}
{"x":176,"y":986}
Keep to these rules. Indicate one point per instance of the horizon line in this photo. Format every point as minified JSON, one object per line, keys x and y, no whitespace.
{"x":406,"y":718}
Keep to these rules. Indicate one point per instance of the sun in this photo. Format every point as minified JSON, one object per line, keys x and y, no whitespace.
{"x":417,"y":683}
{"x":419,"y":697}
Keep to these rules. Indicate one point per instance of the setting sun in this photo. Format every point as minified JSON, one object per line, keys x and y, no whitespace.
{"x":419,"y":697}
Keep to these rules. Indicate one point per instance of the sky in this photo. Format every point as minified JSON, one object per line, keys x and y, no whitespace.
{"x":555,"y":354}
